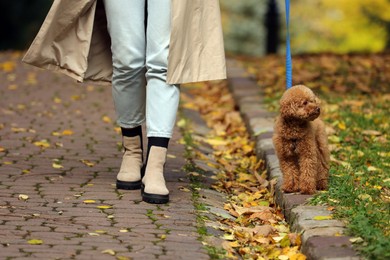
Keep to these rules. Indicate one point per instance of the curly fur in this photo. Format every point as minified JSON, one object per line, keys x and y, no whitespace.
{"x":301,"y":143}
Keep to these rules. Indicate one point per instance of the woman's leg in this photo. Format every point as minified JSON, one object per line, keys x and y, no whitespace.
{"x":126,"y":26}
{"x":162,"y":100}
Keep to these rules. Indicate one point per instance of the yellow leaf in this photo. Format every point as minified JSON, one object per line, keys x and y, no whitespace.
{"x":57,"y":100}
{"x":123,"y":258}
{"x":93,"y":234}
{"x":341,"y":126}
{"x":234,"y":244}
{"x":171,"y":156}
{"x":75,"y":97}
{"x":67,"y":132}
{"x":124,"y":230}
{"x":88,"y":163}
{"x":216,"y":142}
{"x":383,"y":154}
{"x":104,"y":207}
{"x":55,"y":134}
{"x":109,"y":252}
{"x":101,"y":231}
{"x":43,"y":143}
{"x":35,"y":242}
{"x":322,"y":217}
{"x":334,"y":139}
{"x":56,"y":165}
{"x":228,"y":236}
{"x":365,"y":197}
{"x":163,"y":236}
{"x":181,"y":123}
{"x":89,"y":201}
{"x":18,"y":129}
{"x":12,"y":87}
{"x":23,"y":197}
{"x":372,"y":169}
{"x":356,"y":240}
{"x":243,"y":177}
{"x":106,"y":119}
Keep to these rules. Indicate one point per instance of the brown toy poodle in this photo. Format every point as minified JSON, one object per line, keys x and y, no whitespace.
{"x":301,"y":143}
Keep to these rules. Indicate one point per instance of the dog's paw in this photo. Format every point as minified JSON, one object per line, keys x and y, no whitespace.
{"x":322,"y":185}
{"x":307,"y":190}
{"x":288,"y":188}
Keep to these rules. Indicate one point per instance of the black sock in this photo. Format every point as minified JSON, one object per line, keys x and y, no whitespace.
{"x":156,"y":141}
{"x":131,"y":132}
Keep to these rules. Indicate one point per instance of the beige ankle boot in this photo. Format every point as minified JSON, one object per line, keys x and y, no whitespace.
{"x":154,"y":189}
{"x":129,"y":176}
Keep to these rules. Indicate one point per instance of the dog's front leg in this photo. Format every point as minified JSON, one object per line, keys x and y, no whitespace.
{"x":290,"y":170}
{"x":308,"y":172}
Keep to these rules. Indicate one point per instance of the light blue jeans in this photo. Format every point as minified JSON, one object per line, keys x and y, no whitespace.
{"x":140,"y":58}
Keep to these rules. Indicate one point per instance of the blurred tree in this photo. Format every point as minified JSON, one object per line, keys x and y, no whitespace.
{"x":20,"y":20}
{"x":379,"y":12}
{"x":339,"y":26}
{"x":243,"y":26}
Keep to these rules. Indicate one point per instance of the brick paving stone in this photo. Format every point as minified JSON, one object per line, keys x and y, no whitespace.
{"x":55,"y":211}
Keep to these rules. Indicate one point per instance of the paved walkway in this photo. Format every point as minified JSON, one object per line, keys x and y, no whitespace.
{"x":59,"y":155}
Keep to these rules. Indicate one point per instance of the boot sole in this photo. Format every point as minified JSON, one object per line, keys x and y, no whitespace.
{"x":154,"y":198}
{"x":128,"y":185}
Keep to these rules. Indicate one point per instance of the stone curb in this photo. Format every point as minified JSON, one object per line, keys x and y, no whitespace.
{"x":321,"y":239}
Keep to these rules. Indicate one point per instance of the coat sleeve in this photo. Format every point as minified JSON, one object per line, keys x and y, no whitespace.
{"x":63,"y":41}
{"x":196,"y":47}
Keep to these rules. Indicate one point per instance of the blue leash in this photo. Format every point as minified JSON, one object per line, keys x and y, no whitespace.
{"x":288,"y":50}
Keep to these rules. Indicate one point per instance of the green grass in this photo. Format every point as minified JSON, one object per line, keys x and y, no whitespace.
{"x":360,"y":183}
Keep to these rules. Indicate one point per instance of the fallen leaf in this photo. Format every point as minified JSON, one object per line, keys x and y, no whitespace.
{"x":89,"y":201}
{"x":103,"y":206}
{"x":322,"y":217}
{"x":67,"y":132}
{"x":106,"y":119}
{"x":43,"y":143}
{"x":57,"y":165}
{"x":371,"y":132}
{"x":35,"y":242}
{"x":123,"y":258}
{"x":356,"y":240}
{"x":365,"y":197}
{"x":87,"y":162}
{"x":109,"y":252}
{"x":23,"y":197}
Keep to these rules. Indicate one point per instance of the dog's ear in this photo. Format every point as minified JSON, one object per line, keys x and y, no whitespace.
{"x":286,"y":110}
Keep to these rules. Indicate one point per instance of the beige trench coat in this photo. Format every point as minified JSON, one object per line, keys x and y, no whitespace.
{"x":74,"y":40}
